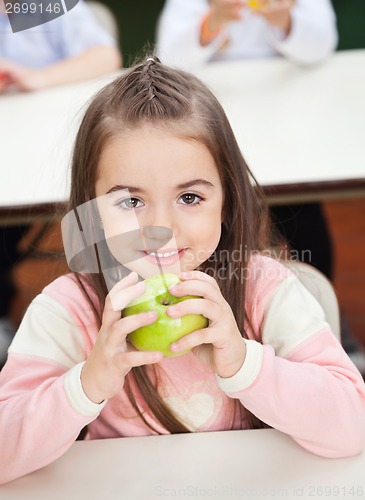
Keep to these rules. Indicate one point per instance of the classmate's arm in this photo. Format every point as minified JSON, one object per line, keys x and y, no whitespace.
{"x":219,"y":15}
{"x":300,"y":381}
{"x":95,"y":61}
{"x":179,"y":32}
{"x":309,"y":36}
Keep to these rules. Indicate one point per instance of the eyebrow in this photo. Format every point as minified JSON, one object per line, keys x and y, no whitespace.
{"x":184,"y":185}
{"x":195,"y":182}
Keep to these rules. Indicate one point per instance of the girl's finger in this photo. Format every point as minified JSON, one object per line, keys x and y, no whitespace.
{"x":194,"y":339}
{"x":126,"y":325}
{"x":130,"y":279}
{"x":197,"y":275}
{"x":205,"y":289}
{"x":119,"y":297}
{"x":120,"y":300}
{"x":140,"y":358}
{"x":195,"y":306}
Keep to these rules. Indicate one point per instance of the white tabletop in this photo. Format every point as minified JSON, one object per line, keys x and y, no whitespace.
{"x":300,"y":129}
{"x":37,"y":131}
{"x":258,"y":464}
{"x":296,"y":125}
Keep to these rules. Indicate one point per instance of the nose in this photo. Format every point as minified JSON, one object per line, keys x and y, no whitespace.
{"x":158,"y":226}
{"x":156,"y":237}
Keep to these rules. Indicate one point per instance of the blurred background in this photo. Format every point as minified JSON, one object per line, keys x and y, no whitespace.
{"x":137,"y":21}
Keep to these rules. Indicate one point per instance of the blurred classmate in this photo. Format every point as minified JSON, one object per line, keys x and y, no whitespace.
{"x":71,"y":48}
{"x":195,"y":32}
{"x":192,"y":32}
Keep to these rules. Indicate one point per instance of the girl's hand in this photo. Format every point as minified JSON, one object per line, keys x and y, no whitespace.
{"x":277,"y":13}
{"x":112,"y":356}
{"x":220,"y":345}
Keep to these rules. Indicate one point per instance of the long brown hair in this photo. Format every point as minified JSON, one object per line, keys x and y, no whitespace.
{"x":154,"y":93}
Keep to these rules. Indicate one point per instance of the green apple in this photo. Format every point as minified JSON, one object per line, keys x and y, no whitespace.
{"x":165,"y":330}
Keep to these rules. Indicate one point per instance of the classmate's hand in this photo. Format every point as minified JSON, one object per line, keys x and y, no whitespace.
{"x":277,"y":13}
{"x":21,"y":77}
{"x":4,"y":76}
{"x":112,"y":356}
{"x":220,"y":345}
{"x":223,"y":12}
{"x":3,"y":84}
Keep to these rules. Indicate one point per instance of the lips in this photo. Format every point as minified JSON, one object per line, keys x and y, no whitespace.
{"x":165,"y":257}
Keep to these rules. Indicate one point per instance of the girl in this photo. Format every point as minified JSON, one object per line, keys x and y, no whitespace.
{"x":155,"y":150}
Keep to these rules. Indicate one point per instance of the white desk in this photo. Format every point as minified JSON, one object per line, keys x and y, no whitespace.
{"x":301,"y":130}
{"x":260,"y":464}
{"x":37,"y":132}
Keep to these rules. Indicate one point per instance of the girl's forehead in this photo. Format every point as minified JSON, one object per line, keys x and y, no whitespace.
{"x":148,"y":153}
{"x":188,"y":129}
{"x":149,"y":141}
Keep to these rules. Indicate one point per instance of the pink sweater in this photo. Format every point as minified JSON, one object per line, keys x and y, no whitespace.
{"x":296,"y":377}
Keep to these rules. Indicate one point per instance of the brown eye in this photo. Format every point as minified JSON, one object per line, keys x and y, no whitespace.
{"x":190,"y":199}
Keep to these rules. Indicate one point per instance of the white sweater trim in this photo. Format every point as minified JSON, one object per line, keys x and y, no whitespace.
{"x":248,"y":372}
{"x":76,"y":395}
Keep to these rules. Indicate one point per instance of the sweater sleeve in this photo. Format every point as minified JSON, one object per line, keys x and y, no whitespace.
{"x":178,"y":34}
{"x":299,"y":380}
{"x":313,"y":35}
{"x":42,"y":405}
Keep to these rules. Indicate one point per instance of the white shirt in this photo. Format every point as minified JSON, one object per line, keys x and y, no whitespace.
{"x":63,"y":37}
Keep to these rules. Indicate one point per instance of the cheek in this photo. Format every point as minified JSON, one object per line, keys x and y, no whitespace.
{"x":214,"y":237}
{"x":207,"y":234}
{"x":124,"y":245}
{"x":122,"y":234}
{"x":115,"y":222}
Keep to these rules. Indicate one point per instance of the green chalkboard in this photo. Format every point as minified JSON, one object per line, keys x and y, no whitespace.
{"x":137,"y":24}
{"x":351,"y":23}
